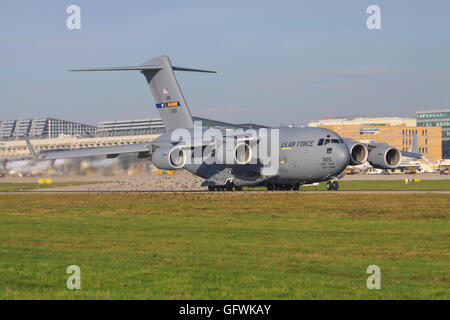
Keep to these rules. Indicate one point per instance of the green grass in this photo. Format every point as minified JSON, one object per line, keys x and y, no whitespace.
{"x":15,"y":186}
{"x":224,"y":246}
{"x":374,"y":185}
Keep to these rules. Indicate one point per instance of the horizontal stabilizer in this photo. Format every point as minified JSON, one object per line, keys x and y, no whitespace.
{"x":121,"y":68}
{"x":141,"y":68}
{"x":160,"y":76}
{"x":192,"y":70}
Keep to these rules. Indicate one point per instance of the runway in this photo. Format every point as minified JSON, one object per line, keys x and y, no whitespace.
{"x":223,"y":192}
{"x":185,"y":182}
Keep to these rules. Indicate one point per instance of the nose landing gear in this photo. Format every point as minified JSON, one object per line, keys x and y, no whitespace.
{"x":332,"y":185}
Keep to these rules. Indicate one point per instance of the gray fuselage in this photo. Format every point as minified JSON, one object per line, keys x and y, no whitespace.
{"x":306,"y":155}
{"x":310,"y":155}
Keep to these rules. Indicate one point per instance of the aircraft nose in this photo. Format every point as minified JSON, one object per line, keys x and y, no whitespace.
{"x":342,"y":157}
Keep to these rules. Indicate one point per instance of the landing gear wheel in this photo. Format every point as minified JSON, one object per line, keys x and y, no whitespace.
{"x":330,"y":185}
{"x":335,"y":185}
{"x":229,"y":186}
{"x":270,"y":187}
{"x":296,"y":187}
{"x":211,"y":188}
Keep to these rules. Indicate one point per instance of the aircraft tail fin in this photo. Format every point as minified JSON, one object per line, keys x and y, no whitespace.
{"x":169,"y":99}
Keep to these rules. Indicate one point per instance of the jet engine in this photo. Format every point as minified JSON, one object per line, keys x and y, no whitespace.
{"x":169,"y":158}
{"x":385,"y":157}
{"x":230,"y":154}
{"x":358,"y":153}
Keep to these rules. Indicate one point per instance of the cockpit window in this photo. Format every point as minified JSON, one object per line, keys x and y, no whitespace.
{"x":323,"y":142}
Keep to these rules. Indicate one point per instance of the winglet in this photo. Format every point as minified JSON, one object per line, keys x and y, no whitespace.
{"x":414,"y":151}
{"x":414,"y":145}
{"x":31,"y":148}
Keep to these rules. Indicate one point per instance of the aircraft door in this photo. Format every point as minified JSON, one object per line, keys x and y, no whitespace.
{"x":307,"y":163}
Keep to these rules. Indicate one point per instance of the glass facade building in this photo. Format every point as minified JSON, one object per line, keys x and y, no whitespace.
{"x":130,"y":127}
{"x":437,"y":118}
{"x":49,"y":128}
{"x":45,"y":128}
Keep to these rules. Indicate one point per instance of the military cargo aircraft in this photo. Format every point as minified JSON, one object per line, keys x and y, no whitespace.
{"x":229,"y":161}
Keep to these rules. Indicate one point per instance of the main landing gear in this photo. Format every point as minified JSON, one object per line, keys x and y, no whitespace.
{"x":229,"y":186}
{"x":332,"y":185}
{"x":283,"y":187}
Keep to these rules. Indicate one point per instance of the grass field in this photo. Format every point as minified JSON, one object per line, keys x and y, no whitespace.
{"x":13,"y":186}
{"x":225,"y":245}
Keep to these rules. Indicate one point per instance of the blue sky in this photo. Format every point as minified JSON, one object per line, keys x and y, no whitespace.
{"x":277,"y":61}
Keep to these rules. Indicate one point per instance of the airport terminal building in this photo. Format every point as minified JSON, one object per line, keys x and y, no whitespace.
{"x":45,"y":128}
{"x":130,"y":127}
{"x":396,"y":131}
{"x":437,"y":118}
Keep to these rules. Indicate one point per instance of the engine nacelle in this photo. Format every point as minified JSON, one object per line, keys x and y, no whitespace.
{"x":233,"y":155}
{"x":385,"y":157}
{"x":169,"y":158}
{"x":358,"y":153}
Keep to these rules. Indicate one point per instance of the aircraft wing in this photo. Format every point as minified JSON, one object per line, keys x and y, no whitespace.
{"x":144,"y":150}
{"x":411,"y":154}
{"x":110,"y":152}
{"x":379,"y":155}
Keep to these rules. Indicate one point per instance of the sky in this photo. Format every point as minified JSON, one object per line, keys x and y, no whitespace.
{"x":278,"y":62}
